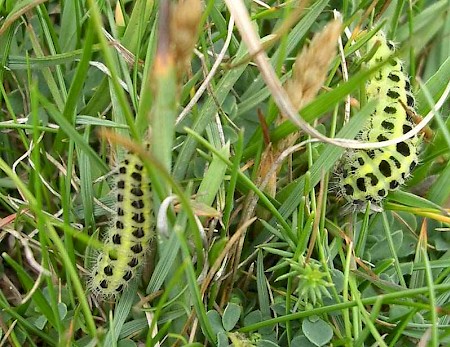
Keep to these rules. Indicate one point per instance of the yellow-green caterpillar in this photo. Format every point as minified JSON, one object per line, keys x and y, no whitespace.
{"x":368,"y":175}
{"x":128,"y":238}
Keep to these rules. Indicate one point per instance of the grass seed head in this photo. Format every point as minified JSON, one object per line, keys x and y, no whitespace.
{"x":185,"y":19}
{"x":309,"y":73}
{"x":312,"y":64}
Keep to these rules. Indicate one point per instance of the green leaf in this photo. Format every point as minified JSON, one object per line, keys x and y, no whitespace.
{"x":253,"y":318}
{"x":126,"y":343}
{"x":215,"y":321}
{"x":162,"y":269}
{"x":301,"y":341}
{"x":436,"y":85}
{"x":121,"y":313}
{"x":338,"y":279}
{"x":440,"y":190}
{"x":62,"y":310}
{"x":71,"y":132}
{"x":88,"y":120}
{"x":27,"y":282}
{"x":261,"y":282}
{"x":213,"y":178}
{"x":266,"y":343}
{"x":231,"y":316}
{"x":40,"y":322}
{"x":412,"y":200}
{"x":318,"y":332}
{"x":380,"y":249}
{"x":207,"y":114}
{"x":142,"y":11}
{"x":222,"y":339}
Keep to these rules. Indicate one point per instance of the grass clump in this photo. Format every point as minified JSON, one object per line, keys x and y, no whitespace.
{"x":247,"y":110}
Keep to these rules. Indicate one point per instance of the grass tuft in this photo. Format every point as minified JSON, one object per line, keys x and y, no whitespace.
{"x":251,"y":245}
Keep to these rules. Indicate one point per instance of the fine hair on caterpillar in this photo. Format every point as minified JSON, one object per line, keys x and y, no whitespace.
{"x":127,"y":239}
{"x":366,"y":176}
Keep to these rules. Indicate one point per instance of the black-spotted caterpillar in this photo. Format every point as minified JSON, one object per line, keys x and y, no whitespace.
{"x":128,"y":238}
{"x":367,"y":175}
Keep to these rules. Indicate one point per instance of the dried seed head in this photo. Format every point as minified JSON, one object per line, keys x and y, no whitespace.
{"x":308,"y":76}
{"x":309,"y":73}
{"x":185,"y":19}
{"x":311,"y":65}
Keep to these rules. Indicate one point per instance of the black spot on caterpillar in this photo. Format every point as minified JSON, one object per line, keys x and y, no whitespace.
{"x":129,"y":236}
{"x":367,"y":175}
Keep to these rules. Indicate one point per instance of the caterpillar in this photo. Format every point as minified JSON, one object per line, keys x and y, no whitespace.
{"x":368,"y":175}
{"x":128,"y":238}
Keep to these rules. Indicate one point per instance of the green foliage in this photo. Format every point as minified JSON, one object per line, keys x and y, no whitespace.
{"x":317,"y":331}
{"x":232,"y":262}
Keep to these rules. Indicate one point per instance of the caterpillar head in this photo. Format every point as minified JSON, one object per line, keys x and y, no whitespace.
{"x":381,"y":48}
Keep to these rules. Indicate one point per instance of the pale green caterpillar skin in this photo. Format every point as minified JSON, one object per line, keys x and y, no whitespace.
{"x":128,"y":238}
{"x":368,"y":175}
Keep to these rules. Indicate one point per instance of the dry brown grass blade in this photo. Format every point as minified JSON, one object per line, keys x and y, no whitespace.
{"x":225,"y":252}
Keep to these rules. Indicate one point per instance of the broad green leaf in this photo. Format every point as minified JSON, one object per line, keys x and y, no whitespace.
{"x":213,"y":178}
{"x":318,"y":332}
{"x":215,"y":320}
{"x":302,"y":341}
{"x":231,"y":316}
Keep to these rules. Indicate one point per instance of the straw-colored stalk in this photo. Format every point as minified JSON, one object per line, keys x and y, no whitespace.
{"x":308,"y":75}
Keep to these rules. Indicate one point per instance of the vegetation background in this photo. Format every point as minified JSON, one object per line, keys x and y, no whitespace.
{"x":235,"y":260}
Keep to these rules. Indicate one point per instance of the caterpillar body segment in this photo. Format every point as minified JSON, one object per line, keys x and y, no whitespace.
{"x":128,"y":238}
{"x":368,"y":175}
